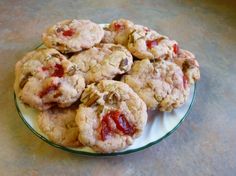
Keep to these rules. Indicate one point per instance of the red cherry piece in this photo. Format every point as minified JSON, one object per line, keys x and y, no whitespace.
{"x":68,"y":33}
{"x":48,"y":89}
{"x":118,"y":26}
{"x":176,"y":48}
{"x":121,"y":124}
{"x":105,"y":131}
{"x":44,"y":68}
{"x":151,"y":43}
{"x":185,"y":81}
{"x":58,"y":71}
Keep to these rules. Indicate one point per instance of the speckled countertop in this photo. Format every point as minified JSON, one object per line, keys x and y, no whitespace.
{"x":205,"y":144}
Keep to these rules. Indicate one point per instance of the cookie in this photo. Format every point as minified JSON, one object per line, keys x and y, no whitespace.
{"x":59,"y":126}
{"x":188,"y":63}
{"x":118,"y":31}
{"x":73,"y":35}
{"x":145,"y":43}
{"x":102,"y":62}
{"x":45,"y":78}
{"x":162,"y":84}
{"x":110,"y":117}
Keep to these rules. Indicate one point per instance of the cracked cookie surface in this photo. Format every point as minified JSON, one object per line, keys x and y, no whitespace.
{"x":102,"y":62}
{"x":110,"y":117}
{"x":59,"y":126}
{"x":162,"y":84}
{"x":145,"y":43}
{"x":118,"y":31}
{"x":189,"y":65}
{"x":73,"y":35}
{"x":45,"y":78}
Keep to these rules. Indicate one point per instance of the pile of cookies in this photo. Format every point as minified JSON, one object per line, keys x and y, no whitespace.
{"x":93,"y":84}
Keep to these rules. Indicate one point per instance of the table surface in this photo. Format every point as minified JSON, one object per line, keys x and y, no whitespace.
{"x":205,"y":144}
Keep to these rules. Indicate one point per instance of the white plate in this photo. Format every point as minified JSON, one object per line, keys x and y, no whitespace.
{"x":159,"y":126}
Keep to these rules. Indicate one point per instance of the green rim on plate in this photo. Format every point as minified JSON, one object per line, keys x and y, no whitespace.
{"x":105,"y":154}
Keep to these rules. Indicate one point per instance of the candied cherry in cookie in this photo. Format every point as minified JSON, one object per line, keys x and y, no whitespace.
{"x":185,"y":81}
{"x":176,"y":48}
{"x":69,"y":32}
{"x":58,"y":70}
{"x":152,"y":43}
{"x":118,"y":27}
{"x":121,"y":124}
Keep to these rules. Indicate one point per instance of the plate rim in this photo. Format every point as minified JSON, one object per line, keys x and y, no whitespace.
{"x":84,"y":153}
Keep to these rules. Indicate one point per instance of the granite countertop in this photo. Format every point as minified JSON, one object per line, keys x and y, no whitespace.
{"x":205,"y":144}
